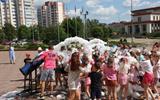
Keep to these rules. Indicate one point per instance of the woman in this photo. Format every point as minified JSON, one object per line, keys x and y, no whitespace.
{"x":74,"y":71}
{"x":12,"y":54}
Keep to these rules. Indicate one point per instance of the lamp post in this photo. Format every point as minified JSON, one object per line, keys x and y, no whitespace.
{"x":131,"y":22}
{"x":58,"y":34}
{"x":32,"y":29}
{"x":38,"y":35}
{"x":84,"y":14}
{"x":76,"y":17}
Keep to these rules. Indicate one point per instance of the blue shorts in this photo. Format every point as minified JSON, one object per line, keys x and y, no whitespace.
{"x":48,"y":74}
{"x":95,"y":93}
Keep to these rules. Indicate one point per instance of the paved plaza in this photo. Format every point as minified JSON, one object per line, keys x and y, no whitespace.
{"x":10,"y":76}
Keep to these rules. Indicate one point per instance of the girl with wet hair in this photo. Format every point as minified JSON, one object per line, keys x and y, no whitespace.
{"x":74,"y":71}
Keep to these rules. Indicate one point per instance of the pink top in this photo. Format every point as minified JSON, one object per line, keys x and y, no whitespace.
{"x":109,"y":73}
{"x":50,"y":58}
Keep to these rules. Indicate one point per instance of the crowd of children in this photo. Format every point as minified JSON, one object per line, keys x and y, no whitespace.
{"x":118,"y":70}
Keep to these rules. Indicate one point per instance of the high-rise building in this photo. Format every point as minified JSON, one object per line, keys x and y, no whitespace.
{"x":51,"y":13}
{"x":17,"y":12}
{"x":25,"y":12}
{"x":8,"y":12}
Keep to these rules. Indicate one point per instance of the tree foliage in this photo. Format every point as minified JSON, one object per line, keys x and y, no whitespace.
{"x":73,"y":26}
{"x":23,"y":32}
{"x":68,"y":28}
{"x":9,"y":31}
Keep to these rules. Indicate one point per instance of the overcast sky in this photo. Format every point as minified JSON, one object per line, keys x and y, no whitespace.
{"x":105,"y":11}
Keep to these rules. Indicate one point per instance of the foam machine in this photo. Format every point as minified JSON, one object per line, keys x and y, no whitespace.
{"x":30,"y":67}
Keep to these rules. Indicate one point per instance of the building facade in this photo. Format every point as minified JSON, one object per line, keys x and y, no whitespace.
{"x":118,"y":26}
{"x":144,"y":21}
{"x":17,"y":12}
{"x":51,"y":13}
{"x":8,"y":13}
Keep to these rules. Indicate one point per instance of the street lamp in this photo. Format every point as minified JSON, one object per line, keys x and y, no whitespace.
{"x":131,"y":22}
{"x":84,"y":14}
{"x":32,"y":31}
{"x":58,"y":34}
{"x":76,"y":16}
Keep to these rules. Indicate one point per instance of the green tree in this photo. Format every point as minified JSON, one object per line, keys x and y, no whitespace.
{"x":97,"y":32}
{"x":9,"y":31}
{"x":23,"y":32}
{"x":50,"y":34}
{"x":73,"y":26}
{"x":1,"y":35}
{"x":42,"y":34}
{"x":63,"y":34}
{"x":1,"y":31}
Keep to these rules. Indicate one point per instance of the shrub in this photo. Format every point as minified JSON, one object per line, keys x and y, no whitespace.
{"x":2,"y":47}
{"x":155,"y":34}
{"x":33,"y":46}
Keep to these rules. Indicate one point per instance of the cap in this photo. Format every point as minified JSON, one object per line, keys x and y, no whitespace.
{"x":39,"y":49}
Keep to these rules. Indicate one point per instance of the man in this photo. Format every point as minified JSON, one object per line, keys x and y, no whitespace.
{"x":50,"y":60}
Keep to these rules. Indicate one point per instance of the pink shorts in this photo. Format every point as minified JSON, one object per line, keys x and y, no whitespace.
{"x":148,"y":79}
{"x":122,"y":79}
{"x":87,"y":81}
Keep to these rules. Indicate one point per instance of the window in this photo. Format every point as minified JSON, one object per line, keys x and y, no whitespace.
{"x":157,"y":18}
{"x":139,"y":19}
{"x":153,"y":17}
{"x":137,"y":29}
{"x":144,"y":28}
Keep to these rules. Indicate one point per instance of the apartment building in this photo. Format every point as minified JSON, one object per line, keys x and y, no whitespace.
{"x":51,"y":13}
{"x":8,"y":12}
{"x":17,"y":12}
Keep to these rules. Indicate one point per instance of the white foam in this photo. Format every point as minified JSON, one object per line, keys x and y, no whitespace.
{"x":9,"y":96}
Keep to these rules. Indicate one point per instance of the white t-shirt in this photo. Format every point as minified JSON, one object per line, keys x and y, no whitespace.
{"x":124,"y":68}
{"x":147,"y":66}
{"x":74,"y":78}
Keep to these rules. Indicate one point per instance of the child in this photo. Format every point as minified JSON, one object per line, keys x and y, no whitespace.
{"x":110,"y":76}
{"x":27,"y":59}
{"x":148,"y":77}
{"x":155,"y":60}
{"x":58,"y":70}
{"x":86,"y":64}
{"x":123,"y":77}
{"x":74,"y":71}
{"x":96,"y":81}
{"x":133,"y":74}
{"x":133,"y":81}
